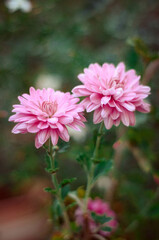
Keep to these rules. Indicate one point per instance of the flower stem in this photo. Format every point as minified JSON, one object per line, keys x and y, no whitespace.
{"x":52,"y":153}
{"x":91,"y":172}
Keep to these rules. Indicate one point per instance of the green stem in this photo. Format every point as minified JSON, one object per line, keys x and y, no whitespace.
{"x":91,"y":172}
{"x":52,"y":153}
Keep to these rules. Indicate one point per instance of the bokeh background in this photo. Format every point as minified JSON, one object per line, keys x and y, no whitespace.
{"x":48,"y":45}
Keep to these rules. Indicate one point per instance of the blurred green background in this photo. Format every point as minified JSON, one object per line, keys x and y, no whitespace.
{"x":49,"y":46}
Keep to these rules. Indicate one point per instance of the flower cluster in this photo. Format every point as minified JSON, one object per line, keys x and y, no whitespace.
{"x":100,"y":208}
{"x":47,"y":113}
{"x":112,"y":93}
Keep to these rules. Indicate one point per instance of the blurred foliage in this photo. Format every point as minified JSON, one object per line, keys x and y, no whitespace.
{"x":62,"y":37}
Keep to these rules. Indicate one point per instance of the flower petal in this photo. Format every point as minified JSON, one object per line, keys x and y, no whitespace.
{"x":43,"y":136}
{"x":97,"y":116}
{"x":64,"y":135}
{"x":108,"y":122}
{"x":54,"y":137}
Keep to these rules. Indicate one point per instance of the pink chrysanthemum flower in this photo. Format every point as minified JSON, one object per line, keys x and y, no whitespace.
{"x":47,"y":113}
{"x":114,"y":94}
{"x":100,"y":208}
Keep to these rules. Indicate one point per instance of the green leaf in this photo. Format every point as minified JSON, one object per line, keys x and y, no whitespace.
{"x":102,"y":168}
{"x":84,"y":160}
{"x":57,"y":209}
{"x":71,"y":205}
{"x":98,"y":160}
{"x":67,"y":181}
{"x":65,"y":190}
{"x":52,"y":170}
{"x":106,"y":229}
{"x":100,"y":218}
{"x":50,"y":190}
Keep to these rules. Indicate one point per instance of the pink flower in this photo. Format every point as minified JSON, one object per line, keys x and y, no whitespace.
{"x":99,"y":208}
{"x":47,"y":113}
{"x":112,"y":93}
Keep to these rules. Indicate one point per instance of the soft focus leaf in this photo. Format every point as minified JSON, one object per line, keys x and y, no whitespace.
{"x":102,"y":168}
{"x":50,"y":190}
{"x":71,"y":205}
{"x":84,"y":160}
{"x":51,"y":170}
{"x":65,"y":190}
{"x":67,"y":181}
{"x":100,"y":218}
{"x":106,"y":229}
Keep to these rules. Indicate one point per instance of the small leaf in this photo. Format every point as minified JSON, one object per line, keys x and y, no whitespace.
{"x":57,"y":208}
{"x":102,"y":168}
{"x":67,"y":181}
{"x":100,"y":218}
{"x":50,"y":190}
{"x":84,"y":160}
{"x":71,"y":205}
{"x":106,"y":229}
{"x":65,"y":190}
{"x":52,"y":170}
{"x":98,"y":160}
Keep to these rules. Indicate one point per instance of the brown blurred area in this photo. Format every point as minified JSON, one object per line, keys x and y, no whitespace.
{"x":25,"y":216}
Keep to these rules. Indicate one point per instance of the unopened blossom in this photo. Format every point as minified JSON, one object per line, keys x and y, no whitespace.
{"x":23,"y":5}
{"x":100,"y":208}
{"x":47,"y":113}
{"x":113,"y":93}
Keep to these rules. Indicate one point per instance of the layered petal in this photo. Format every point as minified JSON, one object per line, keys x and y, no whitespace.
{"x":47,"y":113}
{"x":113,"y":93}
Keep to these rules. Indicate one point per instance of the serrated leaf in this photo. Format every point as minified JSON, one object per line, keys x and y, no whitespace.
{"x":50,"y":190}
{"x":106,"y":229}
{"x":100,"y":218}
{"x":67,"y":181}
{"x":102,"y":168}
